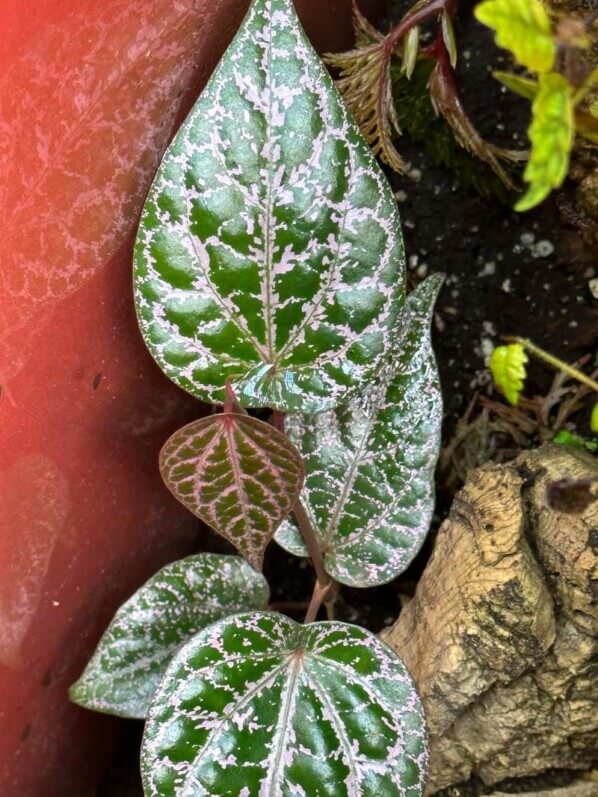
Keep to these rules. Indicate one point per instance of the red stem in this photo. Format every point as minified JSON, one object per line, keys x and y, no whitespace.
{"x":318,"y":597}
{"x":325,"y":589}
{"x":409,"y":21}
{"x":231,"y":402}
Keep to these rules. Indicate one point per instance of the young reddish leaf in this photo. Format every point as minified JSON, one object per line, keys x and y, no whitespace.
{"x":237,"y":474}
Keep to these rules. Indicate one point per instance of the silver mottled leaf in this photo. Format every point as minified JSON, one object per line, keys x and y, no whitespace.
{"x":151,"y":626}
{"x":238,"y":474}
{"x":370,"y":463}
{"x":269,"y":250}
{"x":260,"y":706}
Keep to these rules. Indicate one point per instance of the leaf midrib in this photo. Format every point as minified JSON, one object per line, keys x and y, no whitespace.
{"x":269,"y":231}
{"x":230,"y":712}
{"x":332,"y":526}
{"x":283,"y":725}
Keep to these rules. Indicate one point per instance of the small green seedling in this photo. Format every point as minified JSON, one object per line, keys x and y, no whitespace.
{"x":269,"y":273}
{"x":562,"y":84}
{"x":404,"y":83}
{"x":509,"y":373}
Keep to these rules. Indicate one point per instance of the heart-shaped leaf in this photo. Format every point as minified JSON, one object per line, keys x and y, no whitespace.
{"x":259,"y":705}
{"x":269,"y":249}
{"x":237,"y":474}
{"x":370,"y":463}
{"x":156,"y":621}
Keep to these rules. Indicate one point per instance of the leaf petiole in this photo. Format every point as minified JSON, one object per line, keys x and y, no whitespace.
{"x":319,"y":596}
{"x":310,"y":538}
{"x":231,"y":402}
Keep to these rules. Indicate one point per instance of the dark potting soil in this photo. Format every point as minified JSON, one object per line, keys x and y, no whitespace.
{"x":507,"y":273}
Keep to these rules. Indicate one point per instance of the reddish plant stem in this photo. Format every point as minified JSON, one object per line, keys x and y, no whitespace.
{"x":277,"y":420}
{"x":325,"y":589}
{"x":318,"y":597}
{"x":310,"y":538}
{"x":412,"y":19}
{"x":231,"y":402}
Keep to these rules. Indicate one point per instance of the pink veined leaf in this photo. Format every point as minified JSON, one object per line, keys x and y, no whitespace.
{"x":237,"y":474}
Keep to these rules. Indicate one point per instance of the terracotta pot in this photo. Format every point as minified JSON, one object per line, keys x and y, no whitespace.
{"x":90,"y":94}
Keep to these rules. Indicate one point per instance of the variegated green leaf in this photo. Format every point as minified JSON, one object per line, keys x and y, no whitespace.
{"x":156,"y":621}
{"x":259,"y":706}
{"x":370,"y":463}
{"x":269,"y":250}
{"x":237,"y":474}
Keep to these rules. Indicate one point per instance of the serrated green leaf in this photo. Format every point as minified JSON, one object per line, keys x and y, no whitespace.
{"x":258,"y":705}
{"x":156,"y":621}
{"x":269,"y":250}
{"x":507,"y":365}
{"x":551,"y":133}
{"x":238,"y":474}
{"x":524,"y":28}
{"x":370,"y":464}
{"x":522,"y":86}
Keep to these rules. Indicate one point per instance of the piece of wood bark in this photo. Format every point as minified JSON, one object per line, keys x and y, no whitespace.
{"x":501,"y":636}
{"x":579,"y":788}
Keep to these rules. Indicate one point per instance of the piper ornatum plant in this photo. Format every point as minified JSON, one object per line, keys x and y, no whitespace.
{"x":269,"y":273}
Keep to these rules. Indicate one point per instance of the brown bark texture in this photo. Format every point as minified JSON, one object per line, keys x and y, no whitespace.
{"x":579,"y":788}
{"x":501,"y":635}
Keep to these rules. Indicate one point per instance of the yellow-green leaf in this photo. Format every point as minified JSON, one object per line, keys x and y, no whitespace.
{"x":410,"y":51}
{"x":594,"y":419}
{"x":522,"y":86}
{"x":448,"y":34}
{"x":507,"y":365}
{"x":551,"y":133}
{"x":524,"y":28}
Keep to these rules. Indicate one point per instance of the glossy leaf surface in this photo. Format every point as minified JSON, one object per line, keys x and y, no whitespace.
{"x":269,"y":249}
{"x":257,"y":706}
{"x":370,"y":463}
{"x":156,"y":621}
{"x":237,"y":474}
{"x":524,"y":28}
{"x":551,"y":133}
